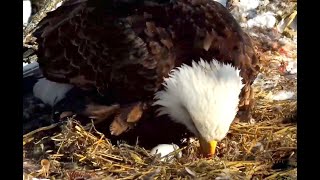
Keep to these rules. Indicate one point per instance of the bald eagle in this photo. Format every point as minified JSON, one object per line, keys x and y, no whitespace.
{"x":188,"y":59}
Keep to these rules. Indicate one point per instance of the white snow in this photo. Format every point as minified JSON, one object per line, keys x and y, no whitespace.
{"x":223,"y":2}
{"x":265,"y":20}
{"x":283,"y":95}
{"x":247,"y":5}
{"x":58,"y":4}
{"x":245,"y":10}
{"x":292,"y":67}
{"x":224,"y":175}
{"x":26,"y":11}
{"x":266,"y":83}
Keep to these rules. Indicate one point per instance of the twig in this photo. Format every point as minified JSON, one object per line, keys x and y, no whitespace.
{"x":41,"y":129}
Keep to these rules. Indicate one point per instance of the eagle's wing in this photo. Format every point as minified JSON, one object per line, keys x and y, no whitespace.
{"x":126,"y":52}
{"x":92,"y":47}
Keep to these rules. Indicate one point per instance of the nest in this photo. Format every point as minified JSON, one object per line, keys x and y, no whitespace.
{"x":69,"y":150}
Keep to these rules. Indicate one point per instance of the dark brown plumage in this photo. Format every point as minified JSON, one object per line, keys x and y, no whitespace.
{"x":124,"y":49}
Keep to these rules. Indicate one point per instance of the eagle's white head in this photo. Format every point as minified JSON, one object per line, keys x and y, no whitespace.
{"x":204,"y":97}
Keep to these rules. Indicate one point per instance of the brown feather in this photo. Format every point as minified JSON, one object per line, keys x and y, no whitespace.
{"x":126,"y":118}
{"x":125,"y":53}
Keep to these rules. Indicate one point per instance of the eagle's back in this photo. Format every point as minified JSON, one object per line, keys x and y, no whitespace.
{"x":126,"y":53}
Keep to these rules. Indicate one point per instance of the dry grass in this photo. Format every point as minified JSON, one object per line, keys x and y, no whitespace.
{"x":249,"y":151}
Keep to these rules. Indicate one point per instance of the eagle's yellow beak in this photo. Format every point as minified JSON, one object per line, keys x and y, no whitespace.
{"x":208,"y":149}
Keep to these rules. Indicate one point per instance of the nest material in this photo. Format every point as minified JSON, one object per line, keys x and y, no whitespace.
{"x":74,"y":151}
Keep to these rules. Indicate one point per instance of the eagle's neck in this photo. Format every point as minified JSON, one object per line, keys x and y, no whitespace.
{"x":204,"y":97}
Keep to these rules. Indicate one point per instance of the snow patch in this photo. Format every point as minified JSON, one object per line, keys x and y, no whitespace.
{"x":58,"y":4}
{"x":264,"y":83}
{"x":283,"y":95}
{"x":223,"y":2}
{"x":292,"y":67}
{"x":26,"y":11}
{"x":265,"y":20}
{"x":246,"y":5}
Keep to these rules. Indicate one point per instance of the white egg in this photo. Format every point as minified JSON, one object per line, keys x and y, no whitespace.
{"x":165,"y":149}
